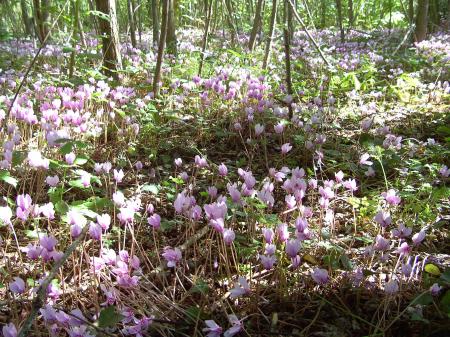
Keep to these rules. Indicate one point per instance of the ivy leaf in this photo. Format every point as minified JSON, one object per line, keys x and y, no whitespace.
{"x":109,"y":317}
{"x":432,"y":269}
{"x":6,"y":177}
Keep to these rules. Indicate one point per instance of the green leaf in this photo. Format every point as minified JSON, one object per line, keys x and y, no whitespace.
{"x":61,"y":207}
{"x":152,"y":188}
{"x":445,"y":302}
{"x":445,"y":276}
{"x":6,"y":177}
{"x":81,"y":160}
{"x":200,"y":287}
{"x":423,"y":299}
{"x":432,"y":269}
{"x":109,"y":317}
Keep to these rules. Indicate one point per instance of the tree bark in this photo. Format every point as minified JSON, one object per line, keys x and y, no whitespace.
{"x":78,"y":23}
{"x":339,"y":19}
{"x":27,"y":20}
{"x":350,"y":13}
{"x":421,"y":20}
{"x":323,"y":14}
{"x":155,"y":21}
{"x":411,"y":11}
{"x":273,"y":17}
{"x":41,"y":17}
{"x":287,"y":54}
{"x":209,"y":7}
{"x":112,"y":59}
{"x":171,"y":37}
{"x":162,"y":42}
{"x":256,"y":25}
{"x":132,"y":25}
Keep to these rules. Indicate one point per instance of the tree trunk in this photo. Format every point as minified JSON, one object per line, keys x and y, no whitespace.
{"x":256,"y":25}
{"x":155,"y":21}
{"x":421,"y":20}
{"x":411,"y":11}
{"x":287,"y":53}
{"x":171,"y":37}
{"x":273,"y":17}
{"x":229,"y":17}
{"x":41,"y":17}
{"x":130,"y":11}
{"x":209,"y":8}
{"x":434,"y":15}
{"x":162,"y":42}
{"x":290,"y":19}
{"x":323,"y":14}
{"x":112,"y":59}
{"x":339,"y":19}
{"x":79,"y":25}
{"x":27,"y":20}
{"x":350,"y":13}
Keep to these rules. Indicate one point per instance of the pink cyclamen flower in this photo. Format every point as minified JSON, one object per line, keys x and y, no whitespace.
{"x":95,"y":231}
{"x":48,"y":242}
{"x":268,"y":261}
{"x":18,"y":286}
{"x":228,"y":236}
{"x":268,"y":234}
{"x":52,"y":181}
{"x":391,"y":287}
{"x":178,"y":162}
{"x":172,"y":256}
{"x":402,"y":231}
{"x":350,"y":185}
{"x":223,"y":170}
{"x":282,"y":232}
{"x":383,"y":218}
{"x":85,"y":179}
{"x":155,"y":221}
{"x":5,"y":215}
{"x":236,"y":326}
{"x":419,"y":237}
{"x":320,"y":276}
{"x":240,"y":288}
{"x":200,"y":161}
{"x":9,"y":330}
{"x":339,"y":176}
{"x":285,"y":148}
{"x":213,"y":329}
{"x":404,"y":249}
{"x":70,"y":158}
{"x":259,"y":129}
{"x":293,"y":247}
{"x":435,"y":289}
{"x":391,"y":197}
{"x":104,"y":220}
{"x":118,"y":175}
{"x":444,"y":171}
{"x":138,"y":165}
{"x":364,"y":160}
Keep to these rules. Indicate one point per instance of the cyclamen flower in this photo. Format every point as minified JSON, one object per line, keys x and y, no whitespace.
{"x":138,"y":165}
{"x":36,"y":160}
{"x":404,"y":249}
{"x":419,"y":237}
{"x":80,"y":331}
{"x":240,"y":288}
{"x":104,"y":220}
{"x":200,"y":161}
{"x":223,"y":170}
{"x":320,"y":276}
{"x":18,"y":286}
{"x":350,"y":184}
{"x":435,"y":289}
{"x":118,"y":175}
{"x":391,"y":197}
{"x":85,"y":178}
{"x":444,"y":171}
{"x":24,"y":205}
{"x":292,"y":247}
{"x":70,"y":158}
{"x":391,"y":287}
{"x":402,"y":232}
{"x":228,"y":236}
{"x":279,"y":128}
{"x":282,"y":232}
{"x":364,"y":160}
{"x":9,"y":330}
{"x":155,"y":221}
{"x":52,"y":181}
{"x":5,"y":215}
{"x":381,"y":244}
{"x":48,"y":242}
{"x":268,"y":234}
{"x":95,"y":231}
{"x":178,"y":162}
{"x":383,"y":218}
{"x":118,"y":198}
{"x":213,"y":329}
{"x":236,"y":326}
{"x":259,"y":129}
{"x":268,"y":261}
{"x":172,"y":256}
{"x":285,"y":148}
{"x":339,"y":176}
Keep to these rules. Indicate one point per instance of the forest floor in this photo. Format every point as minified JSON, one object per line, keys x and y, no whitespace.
{"x":210,"y":209}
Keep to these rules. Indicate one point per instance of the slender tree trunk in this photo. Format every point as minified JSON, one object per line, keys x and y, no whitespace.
{"x":27,"y":20}
{"x":94,"y":17}
{"x":350,"y":13}
{"x":287,"y":54}
{"x":171,"y":37}
{"x":155,"y":21}
{"x":209,"y":8}
{"x":323,"y":13}
{"x":41,"y":17}
{"x":112,"y":59}
{"x":339,"y":19}
{"x":273,"y":17}
{"x":411,"y":11}
{"x":162,"y":42}
{"x":138,"y":15}
{"x":290,"y":20}
{"x":434,"y":15}
{"x":421,"y":20}
{"x":78,"y":23}
{"x":229,"y":16}
{"x":256,"y":25}
{"x":130,"y":12}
